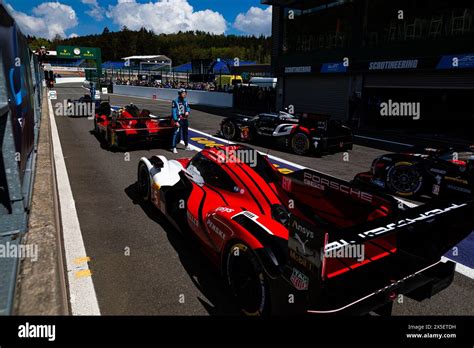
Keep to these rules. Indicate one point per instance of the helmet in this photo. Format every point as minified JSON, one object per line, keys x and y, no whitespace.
{"x":182,"y":90}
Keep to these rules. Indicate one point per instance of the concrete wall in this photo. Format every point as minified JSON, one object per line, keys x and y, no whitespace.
{"x":218,"y":99}
{"x":60,"y":80}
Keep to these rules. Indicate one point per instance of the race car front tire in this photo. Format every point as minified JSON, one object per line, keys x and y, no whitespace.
{"x":247,"y":280}
{"x":300,"y":143}
{"x":404,"y":179}
{"x":229,"y":130}
{"x":144,"y":188}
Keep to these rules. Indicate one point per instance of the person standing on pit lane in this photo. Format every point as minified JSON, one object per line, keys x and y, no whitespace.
{"x":181,"y":111}
{"x":92,"y":90}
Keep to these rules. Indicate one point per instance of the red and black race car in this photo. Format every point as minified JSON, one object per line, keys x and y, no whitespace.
{"x":441,"y":173}
{"x":124,"y":127}
{"x":326,"y":243}
{"x":303,"y":134}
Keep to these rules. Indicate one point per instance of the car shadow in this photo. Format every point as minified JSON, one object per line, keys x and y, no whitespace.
{"x":131,"y":148}
{"x":199,"y":268}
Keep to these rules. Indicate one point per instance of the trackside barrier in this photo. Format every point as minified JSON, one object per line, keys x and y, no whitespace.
{"x":218,"y":99}
{"x":61,"y":80}
{"x":20,"y":114}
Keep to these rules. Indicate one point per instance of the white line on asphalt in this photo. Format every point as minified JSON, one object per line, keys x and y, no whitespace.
{"x":383,"y":140}
{"x":192,"y":147}
{"x":82,"y":294}
{"x":269,"y":156}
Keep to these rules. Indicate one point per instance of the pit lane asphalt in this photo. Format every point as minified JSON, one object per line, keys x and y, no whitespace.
{"x":162,"y":265}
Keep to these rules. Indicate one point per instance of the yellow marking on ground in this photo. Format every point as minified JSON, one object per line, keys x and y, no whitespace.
{"x":84,"y":273}
{"x":80,"y":260}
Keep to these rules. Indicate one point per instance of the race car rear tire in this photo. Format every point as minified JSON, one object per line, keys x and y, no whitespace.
{"x":247,"y":280}
{"x":144,"y":187}
{"x":229,"y":130}
{"x":405,"y":179}
{"x":96,"y":128}
{"x":114,"y":140}
{"x":300,"y":143}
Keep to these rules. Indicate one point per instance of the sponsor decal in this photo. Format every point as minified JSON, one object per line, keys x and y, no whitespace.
{"x":298,"y":69}
{"x":300,"y":260}
{"x":192,"y":219}
{"x":461,"y":61}
{"x":333,"y":68}
{"x":437,"y":171}
{"x":305,"y":245}
{"x":303,"y":230}
{"x":286,"y":184}
{"x":321,"y":184}
{"x":394,"y":65}
{"x":299,"y":280}
{"x":406,"y":222}
{"x":224,"y":210}
{"x":393,"y":226}
{"x":215,"y":229}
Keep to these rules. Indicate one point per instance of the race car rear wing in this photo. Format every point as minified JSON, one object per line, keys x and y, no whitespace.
{"x":363,"y":258}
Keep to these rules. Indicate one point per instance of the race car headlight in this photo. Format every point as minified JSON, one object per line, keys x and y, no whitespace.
{"x":280,"y":214}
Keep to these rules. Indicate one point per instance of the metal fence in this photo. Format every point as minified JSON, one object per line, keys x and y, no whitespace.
{"x":20,"y":113}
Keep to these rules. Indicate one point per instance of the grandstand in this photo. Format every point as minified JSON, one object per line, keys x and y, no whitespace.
{"x":216,"y":67}
{"x":151,"y":62}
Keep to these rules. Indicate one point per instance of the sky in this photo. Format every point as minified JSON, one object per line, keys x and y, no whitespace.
{"x":70,"y":18}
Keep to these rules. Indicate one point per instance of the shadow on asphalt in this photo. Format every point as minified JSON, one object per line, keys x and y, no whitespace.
{"x":134,"y":147}
{"x":204,"y":276}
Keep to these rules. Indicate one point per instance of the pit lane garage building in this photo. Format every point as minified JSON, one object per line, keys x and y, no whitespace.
{"x":331,"y":56}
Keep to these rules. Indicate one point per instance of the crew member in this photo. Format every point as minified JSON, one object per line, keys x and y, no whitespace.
{"x":180,"y":111}
{"x":92,"y":90}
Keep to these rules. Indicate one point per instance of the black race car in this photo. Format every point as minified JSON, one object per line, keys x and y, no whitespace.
{"x":303,"y":134}
{"x":84,"y":106}
{"x":443,"y":173}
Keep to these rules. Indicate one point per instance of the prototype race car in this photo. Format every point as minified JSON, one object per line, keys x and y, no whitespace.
{"x":325,"y":244}
{"x":119,"y":129}
{"x":443,"y":173}
{"x":302,"y":134}
{"x":84,"y":106}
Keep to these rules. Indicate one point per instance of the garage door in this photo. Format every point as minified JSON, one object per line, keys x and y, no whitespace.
{"x":327,"y":94}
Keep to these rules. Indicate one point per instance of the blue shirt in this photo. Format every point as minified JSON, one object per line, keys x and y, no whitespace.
{"x":179,"y":107}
